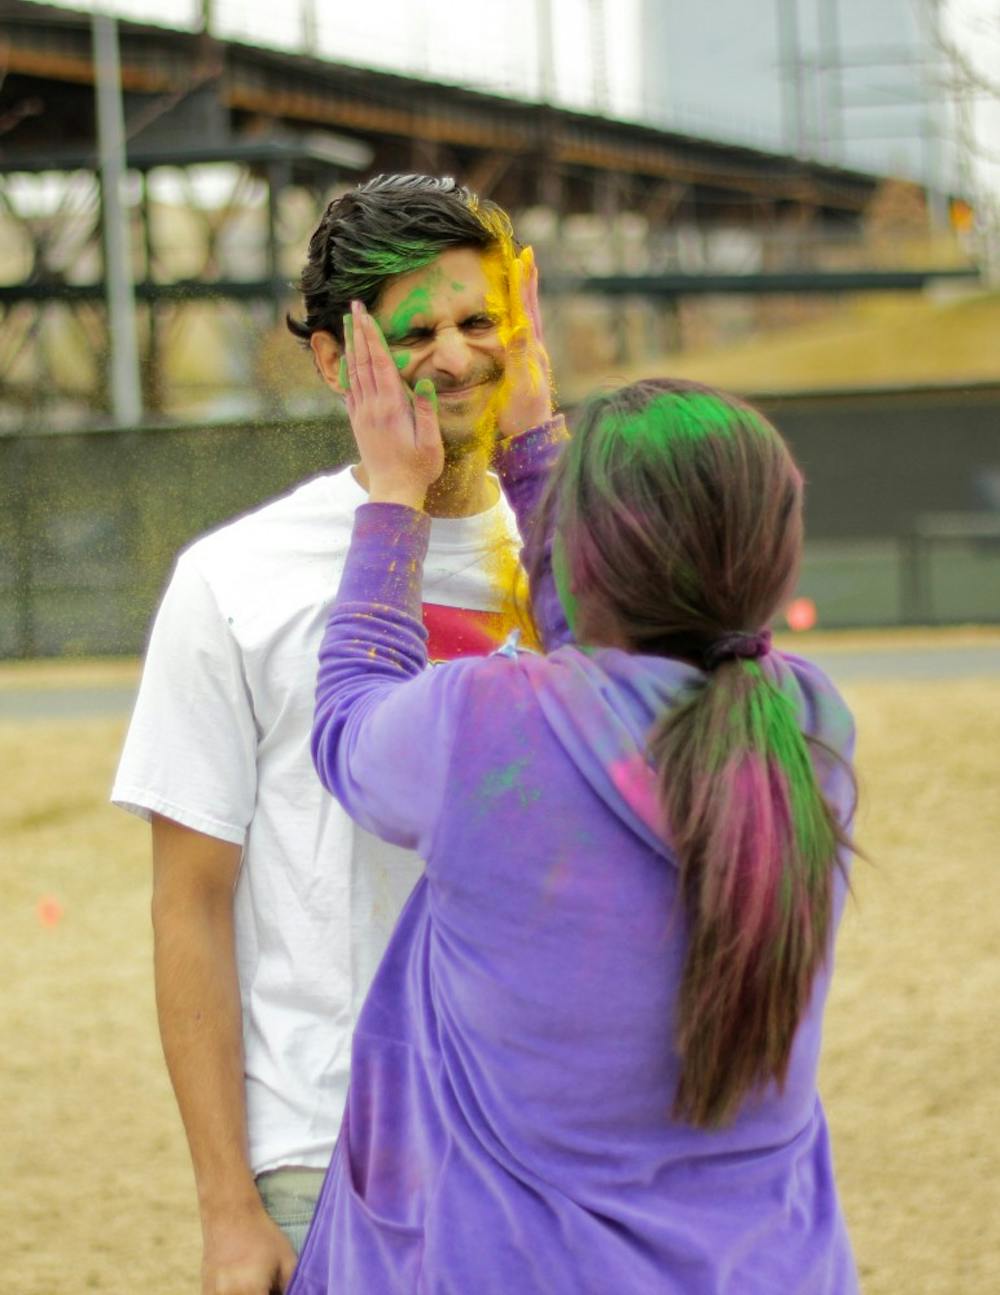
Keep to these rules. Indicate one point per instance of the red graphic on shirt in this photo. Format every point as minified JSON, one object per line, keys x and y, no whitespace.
{"x":459,"y":631}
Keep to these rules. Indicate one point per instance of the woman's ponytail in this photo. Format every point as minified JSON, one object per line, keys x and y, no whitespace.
{"x":757,"y":844}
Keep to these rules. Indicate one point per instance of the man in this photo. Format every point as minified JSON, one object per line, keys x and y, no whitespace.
{"x":270,"y":908}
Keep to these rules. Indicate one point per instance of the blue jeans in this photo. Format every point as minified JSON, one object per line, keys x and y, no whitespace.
{"x":289,"y":1196}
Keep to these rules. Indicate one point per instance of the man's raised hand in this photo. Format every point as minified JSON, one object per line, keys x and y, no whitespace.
{"x":527,"y":393}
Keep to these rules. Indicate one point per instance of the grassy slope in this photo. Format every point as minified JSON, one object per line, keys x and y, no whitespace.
{"x":874,"y":341}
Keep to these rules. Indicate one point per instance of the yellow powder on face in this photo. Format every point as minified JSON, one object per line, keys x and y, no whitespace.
{"x":505,"y":273}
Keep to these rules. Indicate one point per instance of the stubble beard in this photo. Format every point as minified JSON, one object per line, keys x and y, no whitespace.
{"x":471,"y":433}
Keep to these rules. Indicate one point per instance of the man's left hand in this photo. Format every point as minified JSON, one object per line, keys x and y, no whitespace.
{"x":527,"y":391}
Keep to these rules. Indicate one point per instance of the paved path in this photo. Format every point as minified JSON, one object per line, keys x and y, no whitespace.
{"x":844,"y":666}
{"x":66,"y":703}
{"x":905,"y":663}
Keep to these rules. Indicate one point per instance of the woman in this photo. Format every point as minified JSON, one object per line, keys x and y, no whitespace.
{"x":588,"y":1060}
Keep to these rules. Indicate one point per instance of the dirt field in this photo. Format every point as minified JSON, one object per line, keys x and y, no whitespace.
{"x":98,"y":1194}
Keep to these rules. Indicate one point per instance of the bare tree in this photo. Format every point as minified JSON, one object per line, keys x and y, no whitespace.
{"x":970,"y":86}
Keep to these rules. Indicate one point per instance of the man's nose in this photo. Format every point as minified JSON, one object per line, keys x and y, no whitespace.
{"x":450,"y":353}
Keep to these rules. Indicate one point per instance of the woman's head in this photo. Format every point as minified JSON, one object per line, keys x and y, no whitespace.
{"x":679,"y":517}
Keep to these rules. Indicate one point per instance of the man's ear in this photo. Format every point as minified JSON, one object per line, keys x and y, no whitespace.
{"x":327,"y":352}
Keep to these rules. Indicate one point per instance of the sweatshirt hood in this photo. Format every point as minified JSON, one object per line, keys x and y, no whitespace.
{"x":602,"y":704}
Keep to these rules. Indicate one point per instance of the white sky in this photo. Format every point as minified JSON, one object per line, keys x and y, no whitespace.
{"x":494,"y":45}
{"x":490,"y":43}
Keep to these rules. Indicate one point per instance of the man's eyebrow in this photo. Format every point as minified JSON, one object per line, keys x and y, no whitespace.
{"x":417,"y":302}
{"x":394,"y":335}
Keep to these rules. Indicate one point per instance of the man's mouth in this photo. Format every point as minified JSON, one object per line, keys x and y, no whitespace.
{"x":461,"y":393}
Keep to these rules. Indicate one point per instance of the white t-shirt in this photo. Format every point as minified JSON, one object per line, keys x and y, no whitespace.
{"x":219,"y":741}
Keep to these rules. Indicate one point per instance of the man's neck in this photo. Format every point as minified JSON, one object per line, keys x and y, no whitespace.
{"x":462,"y":490}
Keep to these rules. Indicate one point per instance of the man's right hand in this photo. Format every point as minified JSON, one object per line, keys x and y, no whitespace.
{"x":245,"y":1253}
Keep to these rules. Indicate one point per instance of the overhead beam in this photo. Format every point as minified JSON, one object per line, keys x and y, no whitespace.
{"x":644,"y":285}
{"x":335,"y":110}
{"x":792,"y":282}
{"x":79,"y":69}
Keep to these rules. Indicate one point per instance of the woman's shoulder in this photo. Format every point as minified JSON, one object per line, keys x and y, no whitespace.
{"x":507,"y":668}
{"x":823,"y":712}
{"x":512,"y":676}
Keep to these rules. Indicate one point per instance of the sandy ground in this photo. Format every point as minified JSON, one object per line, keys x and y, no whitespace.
{"x":98,"y":1193}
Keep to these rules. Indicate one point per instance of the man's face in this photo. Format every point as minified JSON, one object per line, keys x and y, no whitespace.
{"x":443,"y":322}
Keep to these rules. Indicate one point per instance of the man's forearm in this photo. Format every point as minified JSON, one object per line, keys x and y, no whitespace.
{"x":198,"y":1004}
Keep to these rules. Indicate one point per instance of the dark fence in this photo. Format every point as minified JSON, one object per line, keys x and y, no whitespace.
{"x":903,"y":502}
{"x":90,"y":522}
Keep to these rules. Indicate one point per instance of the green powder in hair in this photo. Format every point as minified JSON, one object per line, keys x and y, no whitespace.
{"x":680,"y":416}
{"x":381,"y":263}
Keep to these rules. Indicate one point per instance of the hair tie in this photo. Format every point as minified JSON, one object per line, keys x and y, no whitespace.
{"x":748,"y":647}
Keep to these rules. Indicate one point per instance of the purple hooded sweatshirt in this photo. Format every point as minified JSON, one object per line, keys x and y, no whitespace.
{"x":508,"y":1129}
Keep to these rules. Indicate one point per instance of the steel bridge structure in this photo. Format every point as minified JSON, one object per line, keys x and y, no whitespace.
{"x":290,"y":128}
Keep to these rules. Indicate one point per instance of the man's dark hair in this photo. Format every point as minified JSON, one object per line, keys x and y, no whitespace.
{"x":389,"y":225}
